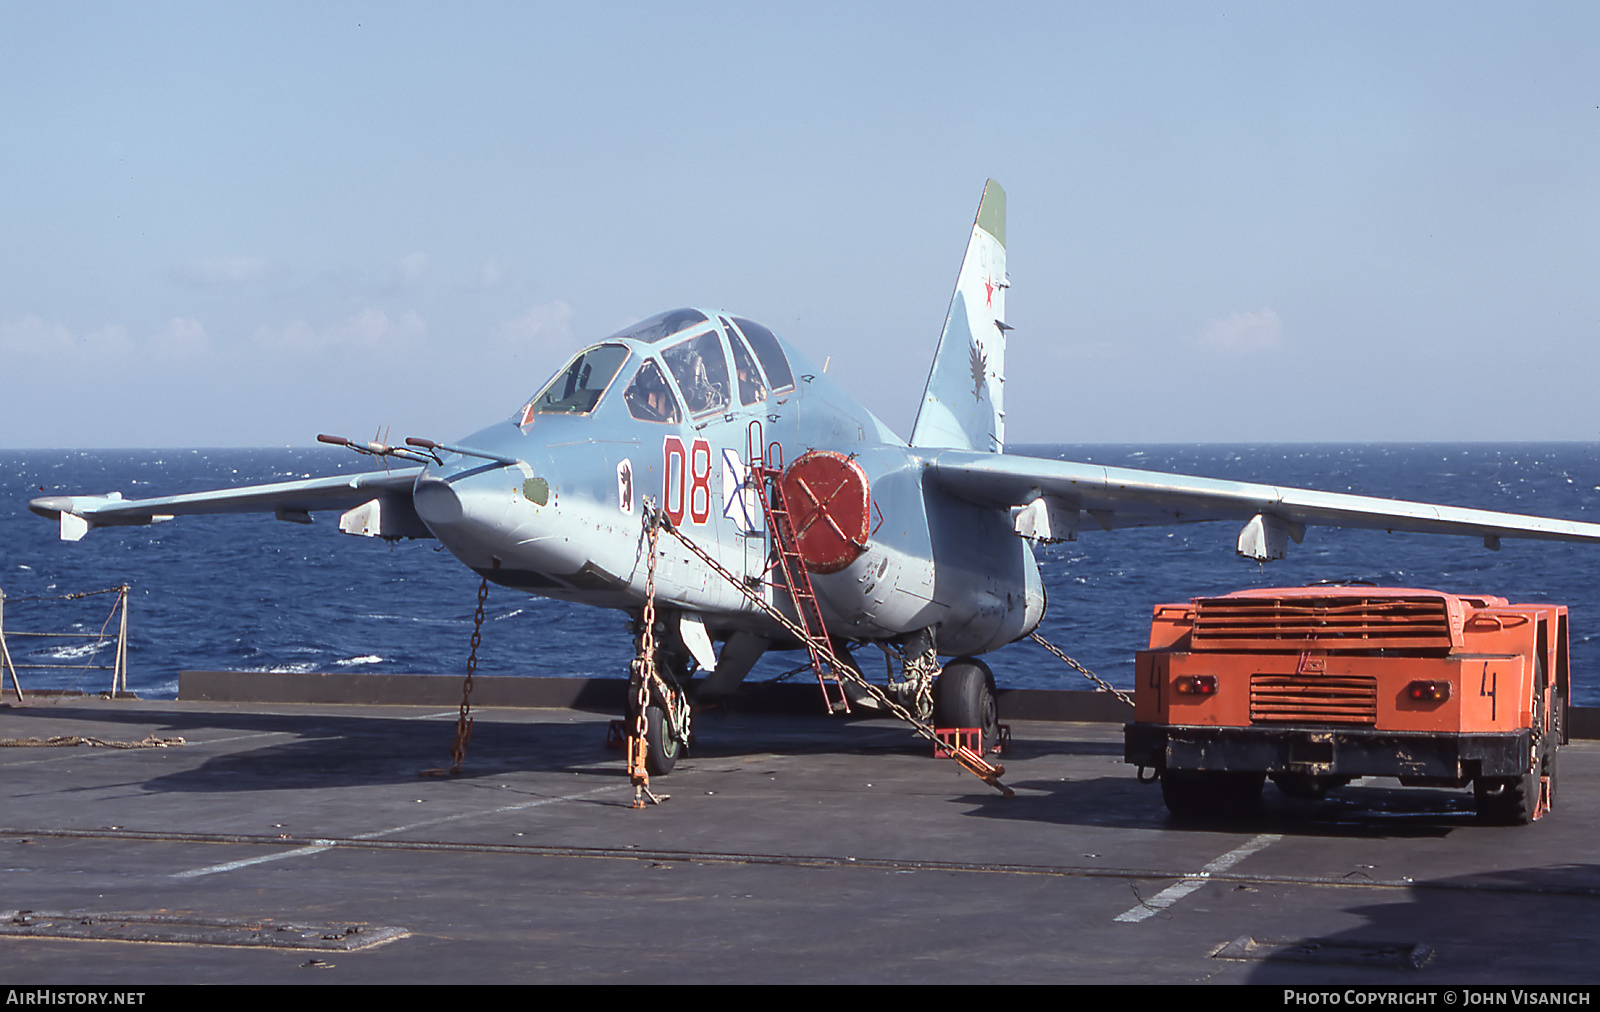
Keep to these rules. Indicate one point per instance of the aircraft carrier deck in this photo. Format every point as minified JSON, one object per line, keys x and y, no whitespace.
{"x":795,"y":848}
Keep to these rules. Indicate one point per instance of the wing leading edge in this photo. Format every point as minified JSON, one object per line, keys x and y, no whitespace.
{"x":378,"y":503}
{"x":1050,"y":497}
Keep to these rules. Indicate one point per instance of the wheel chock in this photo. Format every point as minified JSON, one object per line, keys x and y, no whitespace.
{"x":951,"y":738}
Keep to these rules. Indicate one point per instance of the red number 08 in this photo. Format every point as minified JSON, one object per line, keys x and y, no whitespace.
{"x":697,"y":462}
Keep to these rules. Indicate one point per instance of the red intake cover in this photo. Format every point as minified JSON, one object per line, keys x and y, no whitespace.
{"x":829,"y":505}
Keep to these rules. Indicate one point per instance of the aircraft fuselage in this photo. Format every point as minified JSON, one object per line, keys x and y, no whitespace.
{"x":565,"y":520}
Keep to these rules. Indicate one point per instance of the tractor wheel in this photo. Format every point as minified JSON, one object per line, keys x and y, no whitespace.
{"x":1507,"y":801}
{"x":1514,"y":801}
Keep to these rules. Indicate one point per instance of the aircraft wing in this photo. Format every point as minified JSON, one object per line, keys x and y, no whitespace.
{"x":379,"y":504}
{"x":1050,"y":497}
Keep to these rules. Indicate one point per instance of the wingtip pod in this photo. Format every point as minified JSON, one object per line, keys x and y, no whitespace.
{"x":60,"y":508}
{"x":962,"y":405}
{"x":77,"y":514}
{"x":50,"y":506}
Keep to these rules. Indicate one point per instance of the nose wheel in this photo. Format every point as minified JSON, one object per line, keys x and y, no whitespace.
{"x":662,"y":747}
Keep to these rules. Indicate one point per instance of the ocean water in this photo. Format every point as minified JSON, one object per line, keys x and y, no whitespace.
{"x":251,"y":593}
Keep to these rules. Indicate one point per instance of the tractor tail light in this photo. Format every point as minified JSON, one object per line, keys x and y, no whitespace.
{"x":1428,"y":691}
{"x":1196,"y":685}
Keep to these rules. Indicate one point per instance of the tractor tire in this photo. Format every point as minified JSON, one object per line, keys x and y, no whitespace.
{"x":1507,"y":801}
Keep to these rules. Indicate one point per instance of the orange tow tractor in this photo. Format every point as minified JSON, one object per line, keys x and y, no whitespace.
{"x":1315,"y":686}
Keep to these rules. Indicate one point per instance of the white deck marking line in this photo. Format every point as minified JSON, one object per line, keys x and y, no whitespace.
{"x":1173,"y":893}
{"x":493,"y":811}
{"x":243,"y":737}
{"x":321,"y":845}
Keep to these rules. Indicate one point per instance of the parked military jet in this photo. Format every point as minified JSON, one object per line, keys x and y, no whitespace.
{"x":924,"y":546}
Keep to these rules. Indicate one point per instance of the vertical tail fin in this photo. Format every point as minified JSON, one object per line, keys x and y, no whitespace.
{"x":963,"y":405}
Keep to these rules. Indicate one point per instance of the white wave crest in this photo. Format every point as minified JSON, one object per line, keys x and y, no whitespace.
{"x":75,"y":653}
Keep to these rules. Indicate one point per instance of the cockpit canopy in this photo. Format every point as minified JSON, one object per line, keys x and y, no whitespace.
{"x":661,"y":326}
{"x":650,"y":399}
{"x":701,"y":369}
{"x":696,"y":373}
{"x":577,"y":389}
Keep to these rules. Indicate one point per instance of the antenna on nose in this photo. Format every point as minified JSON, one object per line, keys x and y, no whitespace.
{"x":377,"y":449}
{"x":465,"y":451}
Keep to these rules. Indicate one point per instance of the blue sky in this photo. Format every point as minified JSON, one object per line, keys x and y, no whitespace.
{"x":246,"y":224}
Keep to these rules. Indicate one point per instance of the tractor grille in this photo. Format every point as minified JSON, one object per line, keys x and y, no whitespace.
{"x":1314,"y":699}
{"x":1335,"y":623}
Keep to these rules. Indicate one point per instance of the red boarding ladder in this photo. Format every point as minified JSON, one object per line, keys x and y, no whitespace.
{"x":768,"y":479}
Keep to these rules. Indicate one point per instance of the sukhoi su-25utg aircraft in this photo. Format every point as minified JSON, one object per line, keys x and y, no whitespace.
{"x":924,"y":546}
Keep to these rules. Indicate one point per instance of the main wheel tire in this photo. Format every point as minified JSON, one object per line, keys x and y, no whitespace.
{"x":661,"y":748}
{"x":963,"y":696}
{"x":1198,"y":794}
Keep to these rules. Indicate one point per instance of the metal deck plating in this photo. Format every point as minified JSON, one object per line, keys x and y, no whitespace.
{"x":794,"y":849}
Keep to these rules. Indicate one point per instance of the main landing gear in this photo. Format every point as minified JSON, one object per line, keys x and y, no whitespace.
{"x":963,"y":696}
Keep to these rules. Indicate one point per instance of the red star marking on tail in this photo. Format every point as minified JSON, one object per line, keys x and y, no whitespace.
{"x":988,"y":291}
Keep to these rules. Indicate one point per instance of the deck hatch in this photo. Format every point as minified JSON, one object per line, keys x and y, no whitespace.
{"x":184,"y":928}
{"x":1344,"y":951}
